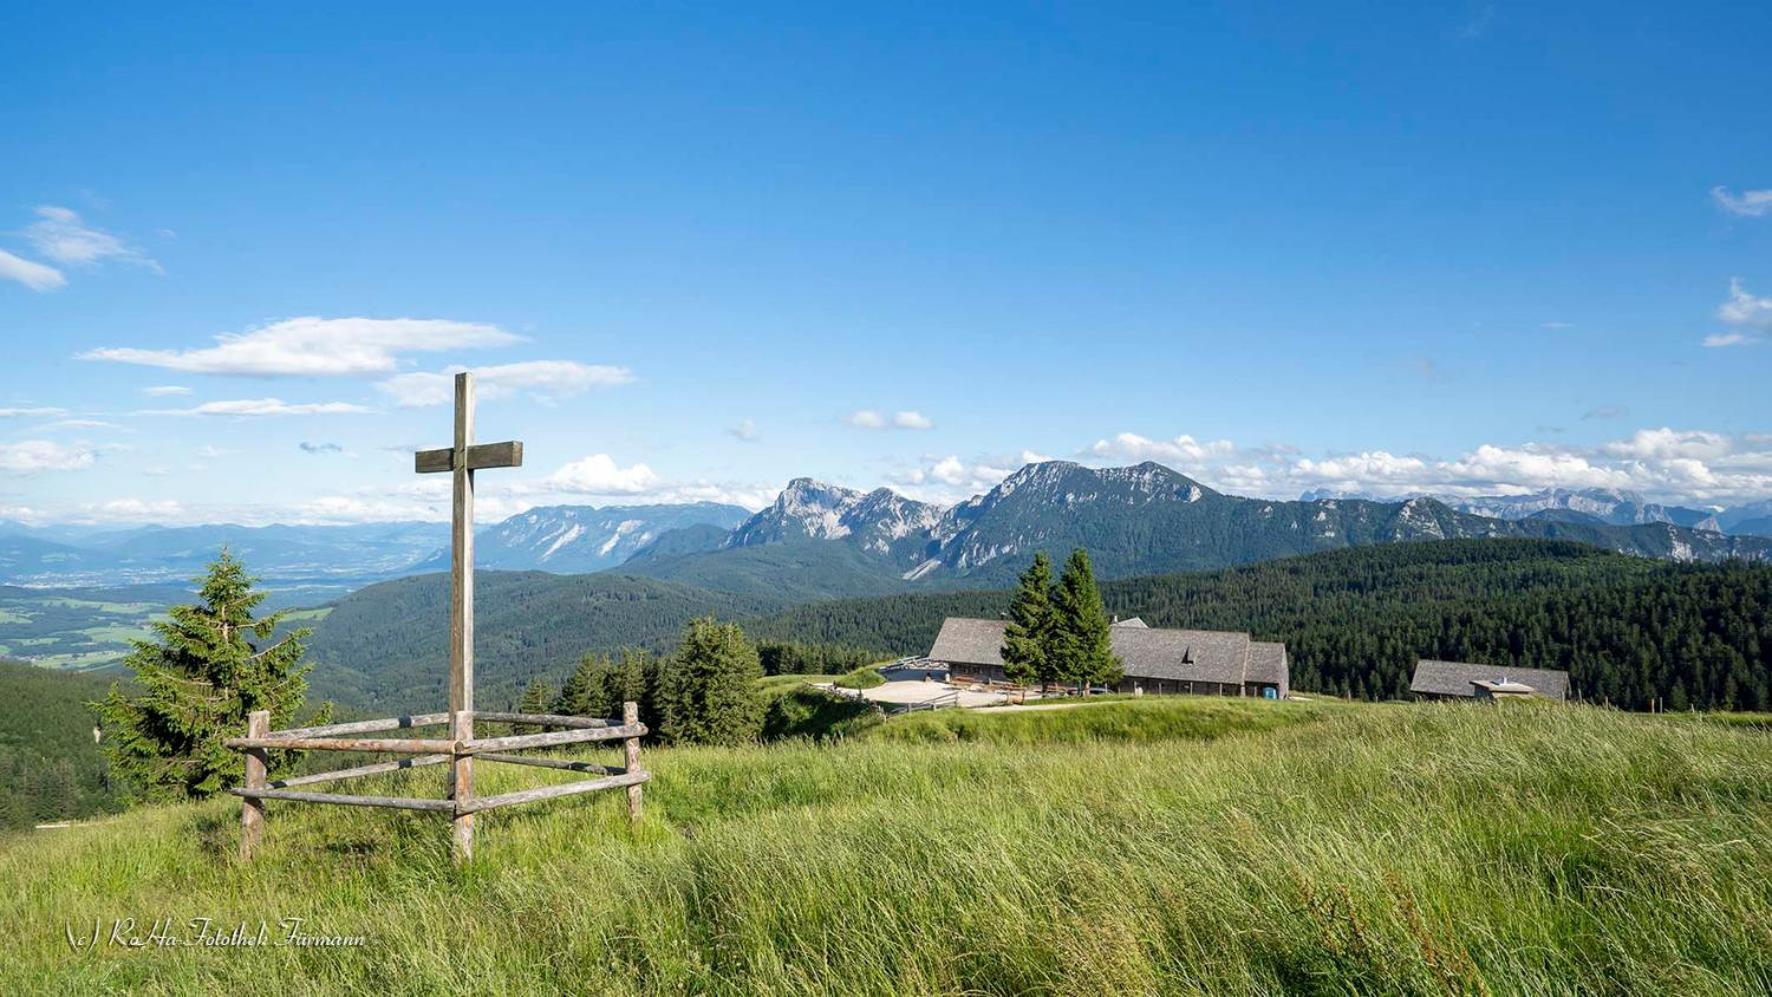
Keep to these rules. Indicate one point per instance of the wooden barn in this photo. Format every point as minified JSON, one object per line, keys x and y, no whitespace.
{"x":1463,"y":680}
{"x":1158,"y":660}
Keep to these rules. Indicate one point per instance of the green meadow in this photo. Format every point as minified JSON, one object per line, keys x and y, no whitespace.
{"x":1188,"y":846}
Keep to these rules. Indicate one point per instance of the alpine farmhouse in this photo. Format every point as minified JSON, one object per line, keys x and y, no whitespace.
{"x":1157,"y":661}
{"x":1463,"y":680}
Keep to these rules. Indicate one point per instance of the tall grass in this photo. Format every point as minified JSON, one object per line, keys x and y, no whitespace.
{"x":1425,"y":849}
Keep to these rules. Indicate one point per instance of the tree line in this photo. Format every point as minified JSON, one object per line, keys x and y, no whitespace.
{"x":1629,"y":630}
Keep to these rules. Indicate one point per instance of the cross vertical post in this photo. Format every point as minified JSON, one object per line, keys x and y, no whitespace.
{"x":461,"y":460}
{"x":461,"y":613}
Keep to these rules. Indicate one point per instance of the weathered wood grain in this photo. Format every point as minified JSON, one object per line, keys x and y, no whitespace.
{"x":541,"y":761}
{"x":480,"y":456}
{"x":252,"y":811}
{"x":366,"y":726}
{"x":361,"y":770}
{"x":630,"y":715}
{"x":543,"y":719}
{"x":550,"y":792}
{"x":400,"y":745}
{"x":518,"y":742}
{"x":461,"y":616}
{"x":393,"y":802}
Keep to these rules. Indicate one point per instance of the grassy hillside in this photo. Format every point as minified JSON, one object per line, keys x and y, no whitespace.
{"x":50,"y":769}
{"x":1354,"y":621}
{"x":386,"y":647}
{"x":1392,"y":849}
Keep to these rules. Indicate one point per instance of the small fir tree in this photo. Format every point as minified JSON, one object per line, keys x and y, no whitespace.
{"x":212,"y":664}
{"x":710,"y":687}
{"x":1027,"y":641}
{"x":1082,"y":650}
{"x":585,"y":691}
{"x":538,"y":696}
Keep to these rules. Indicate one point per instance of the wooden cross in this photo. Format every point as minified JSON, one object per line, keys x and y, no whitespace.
{"x":463,"y":460}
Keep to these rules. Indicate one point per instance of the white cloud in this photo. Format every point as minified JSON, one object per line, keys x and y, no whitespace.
{"x":30,"y":273}
{"x":131,"y":510}
{"x":165,"y":390}
{"x":31,"y":413}
{"x":746,"y":430}
{"x":1653,"y":444}
{"x":599,"y":474}
{"x":264,"y":406}
{"x":868,"y":418}
{"x":32,"y":456}
{"x":1743,"y":308}
{"x":1183,"y":448}
{"x":316,"y":346}
{"x":1748,"y":204}
{"x":59,"y":234}
{"x":1721,"y":339}
{"x":547,"y":378}
{"x":82,"y":424}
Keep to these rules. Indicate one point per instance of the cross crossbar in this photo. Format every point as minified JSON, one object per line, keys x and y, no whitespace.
{"x":480,"y":455}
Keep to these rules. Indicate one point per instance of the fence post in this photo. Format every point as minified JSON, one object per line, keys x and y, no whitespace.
{"x":630,"y":715}
{"x":252,"y":809}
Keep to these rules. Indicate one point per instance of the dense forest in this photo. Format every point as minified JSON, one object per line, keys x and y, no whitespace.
{"x":1629,"y":630}
{"x":386,"y":647}
{"x":50,"y":768}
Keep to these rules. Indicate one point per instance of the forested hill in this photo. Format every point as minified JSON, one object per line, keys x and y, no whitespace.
{"x":1354,"y":621}
{"x":386,"y":646}
{"x":50,"y":768}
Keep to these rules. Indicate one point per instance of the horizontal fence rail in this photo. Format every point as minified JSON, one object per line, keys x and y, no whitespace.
{"x":260,"y":741}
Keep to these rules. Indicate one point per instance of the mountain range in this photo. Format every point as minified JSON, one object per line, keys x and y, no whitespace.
{"x":821,"y":539}
{"x":1597,"y":506}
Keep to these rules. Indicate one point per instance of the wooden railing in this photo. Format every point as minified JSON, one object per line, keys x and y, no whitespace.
{"x":260,"y":740}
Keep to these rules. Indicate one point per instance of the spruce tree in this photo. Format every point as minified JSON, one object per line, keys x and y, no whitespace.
{"x":710,"y":687}
{"x":537,"y":697}
{"x":212,"y":664}
{"x":1027,"y":641}
{"x":1082,"y":649}
{"x":585,"y":693}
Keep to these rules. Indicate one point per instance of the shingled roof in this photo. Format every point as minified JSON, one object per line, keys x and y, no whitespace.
{"x":1148,"y":652}
{"x":1459,"y":678}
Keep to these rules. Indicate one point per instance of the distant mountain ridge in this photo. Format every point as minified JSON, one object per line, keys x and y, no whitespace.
{"x":1142,"y":519}
{"x":562,"y":539}
{"x":572,"y":539}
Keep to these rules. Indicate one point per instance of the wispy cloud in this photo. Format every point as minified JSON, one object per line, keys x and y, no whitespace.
{"x":263,"y":407}
{"x":34,"y":275}
{"x":31,"y":413}
{"x":746,"y":430}
{"x":33,"y":456}
{"x":1721,"y":339}
{"x":314,"y":346}
{"x":1747,"y":204}
{"x":166,"y":390}
{"x":319,"y":448}
{"x":1183,"y":449}
{"x":868,"y":418}
{"x":60,"y":234}
{"x":544,"y":378}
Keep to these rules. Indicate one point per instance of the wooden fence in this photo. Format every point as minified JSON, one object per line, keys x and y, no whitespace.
{"x":461,"y":803}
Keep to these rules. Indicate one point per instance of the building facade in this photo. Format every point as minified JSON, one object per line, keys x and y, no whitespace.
{"x":1157,"y":660}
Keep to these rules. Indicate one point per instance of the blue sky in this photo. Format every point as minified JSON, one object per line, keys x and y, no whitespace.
{"x":1465,"y":248}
